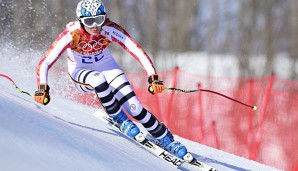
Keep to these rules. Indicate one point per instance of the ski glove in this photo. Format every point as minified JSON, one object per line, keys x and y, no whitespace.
{"x":42,"y":95}
{"x":156,"y":86}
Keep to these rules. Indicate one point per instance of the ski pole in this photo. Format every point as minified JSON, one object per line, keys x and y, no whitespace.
{"x":17,"y":88}
{"x":213,"y":92}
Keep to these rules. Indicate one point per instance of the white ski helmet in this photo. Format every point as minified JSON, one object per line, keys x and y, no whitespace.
{"x":90,"y":8}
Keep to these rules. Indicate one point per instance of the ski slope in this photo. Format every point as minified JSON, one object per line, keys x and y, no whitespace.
{"x":65,"y":136}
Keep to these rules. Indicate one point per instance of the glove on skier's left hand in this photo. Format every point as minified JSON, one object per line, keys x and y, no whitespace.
{"x":42,"y":96}
{"x":156,"y":86}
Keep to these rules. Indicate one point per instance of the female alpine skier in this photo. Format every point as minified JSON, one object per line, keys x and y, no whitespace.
{"x":92,"y":68}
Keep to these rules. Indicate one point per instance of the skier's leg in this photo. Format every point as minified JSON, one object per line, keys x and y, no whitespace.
{"x":98,"y":82}
{"x":127,"y":98}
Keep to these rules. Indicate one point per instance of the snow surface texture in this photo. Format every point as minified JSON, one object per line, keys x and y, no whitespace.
{"x":64,"y":136}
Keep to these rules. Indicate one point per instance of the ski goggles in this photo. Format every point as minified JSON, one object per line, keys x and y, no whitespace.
{"x":95,"y":20}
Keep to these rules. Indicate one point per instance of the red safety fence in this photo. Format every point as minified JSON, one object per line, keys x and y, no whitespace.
{"x":267,"y":135}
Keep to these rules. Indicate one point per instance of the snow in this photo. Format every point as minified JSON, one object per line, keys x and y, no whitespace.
{"x":65,"y":135}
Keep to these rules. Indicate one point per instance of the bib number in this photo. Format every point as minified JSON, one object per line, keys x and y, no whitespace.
{"x":90,"y":59}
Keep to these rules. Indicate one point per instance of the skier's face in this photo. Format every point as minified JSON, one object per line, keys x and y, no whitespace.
{"x":94,"y":31}
{"x":93,"y":24}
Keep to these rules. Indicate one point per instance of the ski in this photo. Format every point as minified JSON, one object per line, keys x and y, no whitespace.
{"x":150,"y":145}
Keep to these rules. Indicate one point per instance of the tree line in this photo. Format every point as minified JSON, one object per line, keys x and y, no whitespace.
{"x":244,"y":28}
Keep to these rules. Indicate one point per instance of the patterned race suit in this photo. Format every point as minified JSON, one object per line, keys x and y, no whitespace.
{"x":92,"y":67}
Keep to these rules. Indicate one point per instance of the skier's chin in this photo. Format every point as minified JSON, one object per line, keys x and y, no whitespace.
{"x":94,"y":32}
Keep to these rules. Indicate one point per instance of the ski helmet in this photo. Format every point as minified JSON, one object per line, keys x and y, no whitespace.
{"x":90,"y":8}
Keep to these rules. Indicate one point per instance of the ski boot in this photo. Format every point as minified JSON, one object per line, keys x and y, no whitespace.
{"x":174,"y":147}
{"x":125,"y":124}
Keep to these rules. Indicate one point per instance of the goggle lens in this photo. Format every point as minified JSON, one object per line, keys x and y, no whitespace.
{"x":90,"y":21}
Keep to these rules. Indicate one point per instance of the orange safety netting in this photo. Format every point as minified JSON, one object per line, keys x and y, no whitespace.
{"x":267,"y":135}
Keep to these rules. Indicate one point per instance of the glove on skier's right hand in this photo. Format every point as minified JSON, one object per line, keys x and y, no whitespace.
{"x":42,"y":95}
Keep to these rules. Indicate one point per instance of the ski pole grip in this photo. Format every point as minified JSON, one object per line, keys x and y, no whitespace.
{"x":151,"y":90}
{"x":45,"y":101}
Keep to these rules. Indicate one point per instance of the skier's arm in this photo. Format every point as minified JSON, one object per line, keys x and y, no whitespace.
{"x":118,"y":34}
{"x":54,"y":52}
{"x":52,"y":55}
